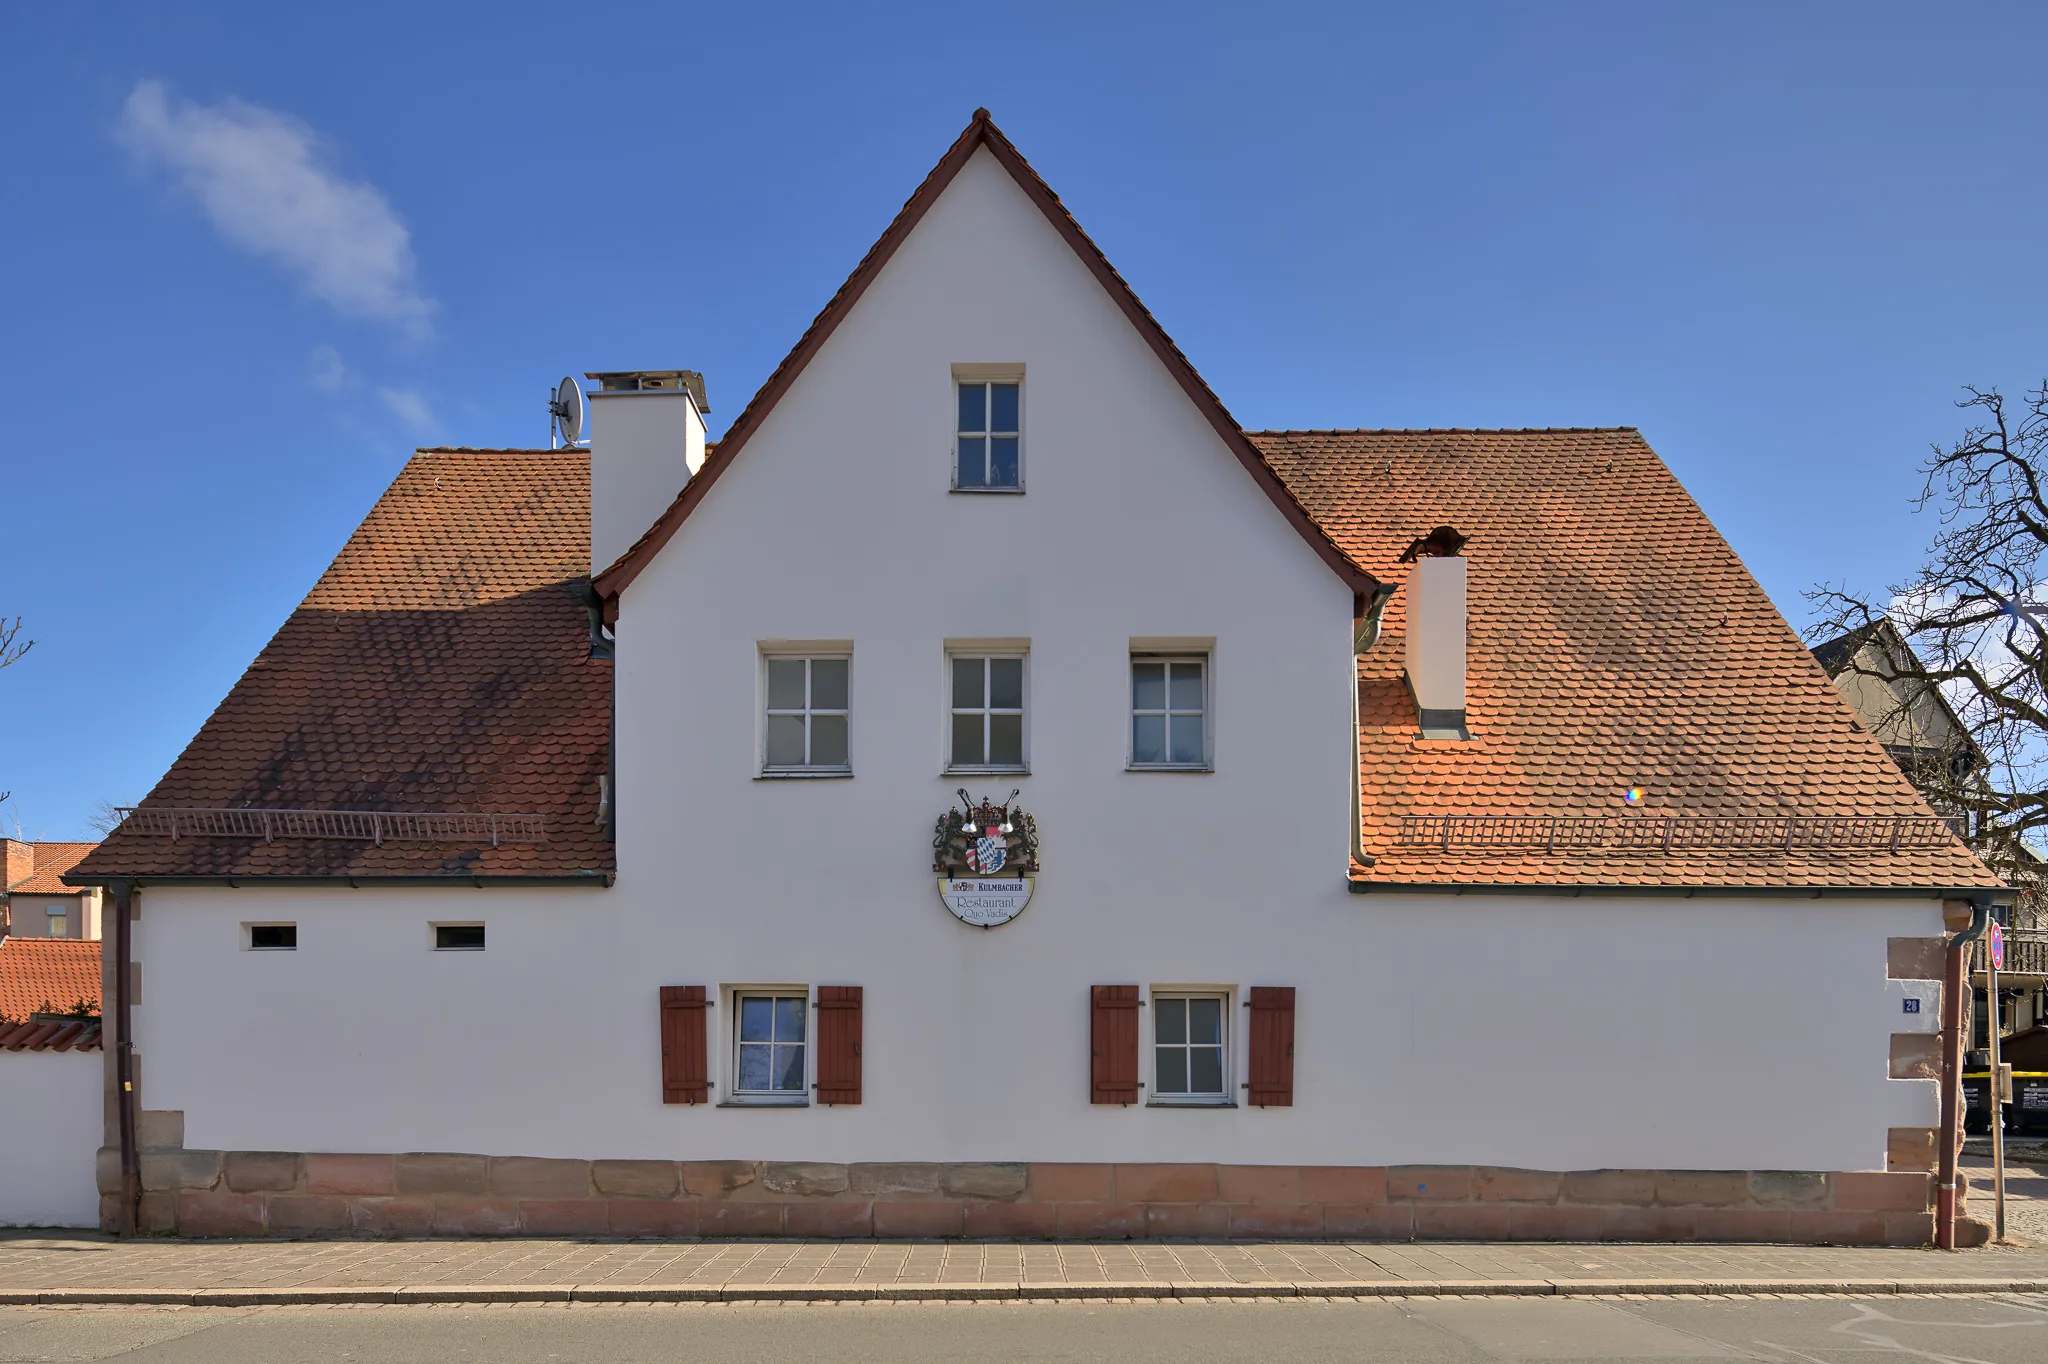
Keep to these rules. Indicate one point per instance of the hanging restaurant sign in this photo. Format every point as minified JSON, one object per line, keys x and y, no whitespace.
{"x":986,"y":857}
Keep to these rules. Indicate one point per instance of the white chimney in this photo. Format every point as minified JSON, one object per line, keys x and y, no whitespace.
{"x":1436,"y":633}
{"x":646,"y":442}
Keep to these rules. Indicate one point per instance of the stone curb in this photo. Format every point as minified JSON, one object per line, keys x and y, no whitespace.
{"x":988,"y":1292}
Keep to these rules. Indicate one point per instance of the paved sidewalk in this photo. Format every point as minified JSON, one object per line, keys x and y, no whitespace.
{"x":84,"y":1267}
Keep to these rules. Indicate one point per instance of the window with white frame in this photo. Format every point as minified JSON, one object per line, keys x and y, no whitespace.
{"x":989,"y":439}
{"x":987,"y":730}
{"x":805,"y":728}
{"x":60,"y":924}
{"x":1190,"y":1051}
{"x":1169,"y":711}
{"x":769,"y":1029}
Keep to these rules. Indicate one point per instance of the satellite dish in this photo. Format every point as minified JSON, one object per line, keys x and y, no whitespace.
{"x":566,"y":408}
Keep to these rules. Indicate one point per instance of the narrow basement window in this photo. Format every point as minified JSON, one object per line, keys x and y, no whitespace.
{"x":458,"y":937}
{"x":273,"y":937}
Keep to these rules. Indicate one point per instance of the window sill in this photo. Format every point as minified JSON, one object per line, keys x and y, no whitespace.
{"x":985,"y":772}
{"x":1017,"y":491}
{"x":1169,"y":767}
{"x":1191,"y":1103}
{"x":799,"y":774}
{"x":763,"y":1103}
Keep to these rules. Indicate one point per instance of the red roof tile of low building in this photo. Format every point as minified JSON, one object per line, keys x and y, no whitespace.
{"x":1614,"y":640}
{"x":51,"y":1034}
{"x":47,"y":975}
{"x":52,"y":860}
{"x":441,"y":664}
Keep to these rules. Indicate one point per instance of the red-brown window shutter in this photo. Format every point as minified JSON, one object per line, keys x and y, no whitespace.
{"x":685,"y":1067}
{"x":1270,"y":1050}
{"x":839,"y":1044}
{"x":1113,"y":1043}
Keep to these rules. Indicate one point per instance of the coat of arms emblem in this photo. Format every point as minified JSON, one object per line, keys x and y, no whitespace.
{"x":983,"y":838}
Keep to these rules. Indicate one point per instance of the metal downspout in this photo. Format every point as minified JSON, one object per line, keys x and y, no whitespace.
{"x":1955,"y":1002}
{"x":124,"y":1054}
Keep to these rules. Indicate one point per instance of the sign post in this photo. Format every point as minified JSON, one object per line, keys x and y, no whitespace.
{"x":1995,"y":959}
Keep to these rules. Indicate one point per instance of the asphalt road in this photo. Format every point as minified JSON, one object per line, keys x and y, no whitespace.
{"x":1424,"y":1331}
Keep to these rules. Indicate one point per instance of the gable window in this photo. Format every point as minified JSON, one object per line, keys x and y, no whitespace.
{"x":806,"y":714}
{"x":988,"y":441}
{"x":1169,"y":711}
{"x":987,"y":730}
{"x":1189,"y":1051}
{"x":60,"y":924}
{"x":273,"y":937}
{"x":769,"y":1044}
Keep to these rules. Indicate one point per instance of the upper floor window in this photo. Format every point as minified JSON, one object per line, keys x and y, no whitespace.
{"x":989,"y":439}
{"x":988,"y":713}
{"x":1169,"y":711}
{"x":806,"y":714}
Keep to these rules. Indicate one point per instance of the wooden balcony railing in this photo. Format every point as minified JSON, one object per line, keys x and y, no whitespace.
{"x":2026,"y":953}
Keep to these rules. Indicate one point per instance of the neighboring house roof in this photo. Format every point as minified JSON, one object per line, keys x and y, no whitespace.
{"x":47,"y":973}
{"x":1836,"y":655}
{"x":1614,"y":640}
{"x":440,"y":664}
{"x":52,"y":860}
{"x":63,"y":1034}
{"x":981,"y":134}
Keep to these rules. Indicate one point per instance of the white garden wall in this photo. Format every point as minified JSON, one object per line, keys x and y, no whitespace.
{"x":51,"y":1110}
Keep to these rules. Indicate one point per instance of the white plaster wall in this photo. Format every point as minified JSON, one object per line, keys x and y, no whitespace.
{"x":50,"y":1106}
{"x":1545,"y":1033}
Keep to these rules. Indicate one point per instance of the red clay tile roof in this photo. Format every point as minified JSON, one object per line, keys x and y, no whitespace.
{"x":440,"y":664}
{"x":52,"y":861}
{"x":51,"y":974}
{"x":67,"y":1034}
{"x":980,"y":134}
{"x":1615,"y":639}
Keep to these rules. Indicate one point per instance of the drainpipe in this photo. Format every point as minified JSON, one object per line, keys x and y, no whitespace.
{"x":1955,"y":1003}
{"x":124,"y":1054}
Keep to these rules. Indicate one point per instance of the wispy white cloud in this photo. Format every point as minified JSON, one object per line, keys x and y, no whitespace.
{"x":409,"y":405}
{"x":327,"y":371}
{"x":265,"y":181}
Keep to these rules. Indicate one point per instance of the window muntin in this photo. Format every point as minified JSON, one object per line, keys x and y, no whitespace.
{"x":273,"y":937}
{"x":806,"y":714}
{"x":989,"y":438}
{"x":769,"y":1044}
{"x":458,"y":937}
{"x":986,"y":731}
{"x":1169,"y":711}
{"x":1189,"y":1048}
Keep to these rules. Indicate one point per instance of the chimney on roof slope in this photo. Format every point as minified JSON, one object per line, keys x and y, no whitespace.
{"x":17,"y":862}
{"x":1436,"y":632}
{"x":646,"y":441}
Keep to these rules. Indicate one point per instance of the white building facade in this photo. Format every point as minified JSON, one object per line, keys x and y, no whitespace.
{"x":982,"y":532}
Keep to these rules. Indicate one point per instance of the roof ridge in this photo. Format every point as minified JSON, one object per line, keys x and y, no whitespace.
{"x":1438,"y":430}
{"x":499,"y":450}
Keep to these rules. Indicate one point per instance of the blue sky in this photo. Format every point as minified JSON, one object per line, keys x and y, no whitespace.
{"x":250,"y":255}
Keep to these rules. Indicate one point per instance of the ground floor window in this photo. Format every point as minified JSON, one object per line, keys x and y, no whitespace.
{"x":768,"y":1035}
{"x":1189,"y":1046}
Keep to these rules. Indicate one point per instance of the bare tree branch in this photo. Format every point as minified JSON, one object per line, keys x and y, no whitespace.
{"x":1961,"y":647}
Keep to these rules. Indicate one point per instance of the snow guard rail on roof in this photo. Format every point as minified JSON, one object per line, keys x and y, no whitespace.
{"x":1681,"y":833}
{"x":373,"y":826}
